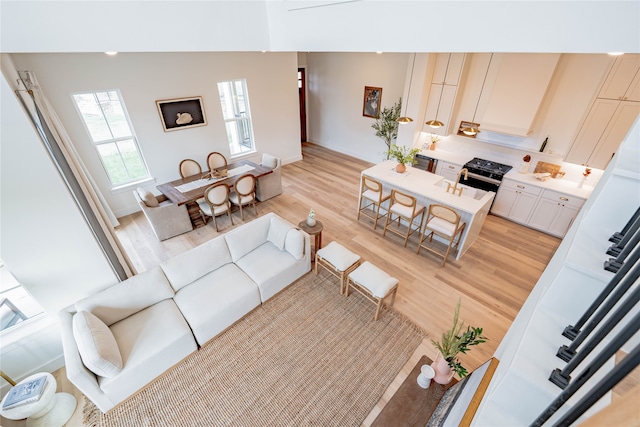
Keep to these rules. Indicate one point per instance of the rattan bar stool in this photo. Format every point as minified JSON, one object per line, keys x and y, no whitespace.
{"x":444,"y":222}
{"x":373,"y":195}
{"x":406,"y":207}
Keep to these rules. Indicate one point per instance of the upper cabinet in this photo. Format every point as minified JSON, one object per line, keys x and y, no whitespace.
{"x":611,"y":115}
{"x":623,"y":81}
{"x":443,"y":91}
{"x":514,"y":88}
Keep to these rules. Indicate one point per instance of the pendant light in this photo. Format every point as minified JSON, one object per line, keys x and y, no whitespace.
{"x":404,"y":119}
{"x":437,"y":123}
{"x":474,"y":130}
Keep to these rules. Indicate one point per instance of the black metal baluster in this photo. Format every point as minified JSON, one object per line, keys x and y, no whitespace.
{"x":618,"y":235}
{"x":572,"y":331}
{"x":561,"y":378}
{"x":614,"y":264}
{"x":620,"y":371}
{"x":628,"y":364}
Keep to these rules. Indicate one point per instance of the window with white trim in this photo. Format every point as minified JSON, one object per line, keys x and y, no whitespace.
{"x":237,"y":117}
{"x":106,"y":120}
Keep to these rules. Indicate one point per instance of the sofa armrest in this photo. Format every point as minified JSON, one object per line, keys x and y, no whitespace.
{"x":168,"y":219}
{"x":84,"y":380}
{"x":270,"y":185}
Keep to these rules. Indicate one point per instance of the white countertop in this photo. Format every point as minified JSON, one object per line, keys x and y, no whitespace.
{"x":425,"y":184}
{"x":562,"y":185}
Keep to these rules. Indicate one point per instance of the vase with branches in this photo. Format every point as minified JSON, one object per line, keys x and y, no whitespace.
{"x":458,"y":340}
{"x":386,"y":125}
{"x":403,"y":155}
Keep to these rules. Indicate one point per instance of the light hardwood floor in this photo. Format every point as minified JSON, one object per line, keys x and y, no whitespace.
{"x":492,"y":280}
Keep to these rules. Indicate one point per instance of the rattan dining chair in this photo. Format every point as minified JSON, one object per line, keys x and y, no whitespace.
{"x":403,"y":207}
{"x":373,"y":195}
{"x":444,"y":222}
{"x":216,"y":160}
{"x":189,"y":167}
{"x":244,"y":193}
{"x":216,"y":202}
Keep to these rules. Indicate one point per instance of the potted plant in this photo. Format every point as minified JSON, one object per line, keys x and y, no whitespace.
{"x":434,"y":140}
{"x":454,"y":341}
{"x":403,"y":155}
{"x":386,"y":125}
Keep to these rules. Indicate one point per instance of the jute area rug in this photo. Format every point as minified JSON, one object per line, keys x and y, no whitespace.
{"x":308,"y":356}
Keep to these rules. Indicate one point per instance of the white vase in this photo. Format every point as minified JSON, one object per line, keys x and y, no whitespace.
{"x":311,"y":221}
{"x":582,"y":181}
{"x":524,"y":167}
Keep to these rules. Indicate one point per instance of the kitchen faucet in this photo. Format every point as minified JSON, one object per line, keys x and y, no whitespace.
{"x":455,"y":186}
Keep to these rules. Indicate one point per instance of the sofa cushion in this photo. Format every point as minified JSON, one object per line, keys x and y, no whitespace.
{"x":294,"y":243}
{"x":128,"y":297}
{"x":243,"y":240}
{"x":151,"y":341}
{"x":147,"y":197}
{"x":96,"y":345}
{"x":272,"y":269}
{"x":189,"y":266}
{"x":216,"y":301}
{"x":269,"y":161}
{"x":278,"y":231}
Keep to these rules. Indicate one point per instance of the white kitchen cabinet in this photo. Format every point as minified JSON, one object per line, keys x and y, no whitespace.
{"x":448,"y":68}
{"x":516,"y":84}
{"x":554,"y":213}
{"x":623,"y":80}
{"x":443,"y":91}
{"x":604,"y":128}
{"x":448,"y":170}
{"x":515,"y":200}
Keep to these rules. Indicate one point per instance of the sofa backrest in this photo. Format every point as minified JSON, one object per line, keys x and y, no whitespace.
{"x":128,"y":297}
{"x":249,"y":236}
{"x":191,"y":265}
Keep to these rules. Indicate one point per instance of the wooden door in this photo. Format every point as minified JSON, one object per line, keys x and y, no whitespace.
{"x":302,"y":90}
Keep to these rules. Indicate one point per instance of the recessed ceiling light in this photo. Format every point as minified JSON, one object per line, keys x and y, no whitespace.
{"x":616,"y":53}
{"x":111,"y":53}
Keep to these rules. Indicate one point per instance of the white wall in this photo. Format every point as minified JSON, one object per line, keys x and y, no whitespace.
{"x":335,"y":88}
{"x":144,"y":78}
{"x":44,"y":242}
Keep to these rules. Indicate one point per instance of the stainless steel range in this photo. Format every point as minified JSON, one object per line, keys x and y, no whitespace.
{"x":485,"y":174}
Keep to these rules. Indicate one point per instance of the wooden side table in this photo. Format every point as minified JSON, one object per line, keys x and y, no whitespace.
{"x":411,"y":405}
{"x":316,"y":232}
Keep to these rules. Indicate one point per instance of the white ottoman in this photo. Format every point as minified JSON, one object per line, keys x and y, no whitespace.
{"x":337,"y":260}
{"x":51,"y":410}
{"x":374,"y":284}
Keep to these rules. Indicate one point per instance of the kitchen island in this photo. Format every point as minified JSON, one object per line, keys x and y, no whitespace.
{"x":428,"y":188}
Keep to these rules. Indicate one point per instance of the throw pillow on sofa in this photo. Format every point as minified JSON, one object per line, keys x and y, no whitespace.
{"x":148,"y":198}
{"x":278,"y":232}
{"x":294,"y":243}
{"x":97,"y":346}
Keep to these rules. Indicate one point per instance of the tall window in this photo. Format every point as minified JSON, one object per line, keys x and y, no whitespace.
{"x":237,"y":117}
{"x":106,"y":120}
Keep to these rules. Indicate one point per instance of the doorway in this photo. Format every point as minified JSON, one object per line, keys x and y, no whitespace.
{"x":302,"y":90}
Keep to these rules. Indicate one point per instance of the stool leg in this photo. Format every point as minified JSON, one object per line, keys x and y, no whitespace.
{"x":393,"y":296}
{"x":378,"y":309}
{"x":346,"y":291}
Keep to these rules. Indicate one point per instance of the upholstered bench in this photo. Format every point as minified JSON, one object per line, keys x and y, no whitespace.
{"x":374,"y":284}
{"x":337,"y":260}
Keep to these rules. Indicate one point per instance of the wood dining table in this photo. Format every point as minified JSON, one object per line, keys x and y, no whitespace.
{"x":185,"y":191}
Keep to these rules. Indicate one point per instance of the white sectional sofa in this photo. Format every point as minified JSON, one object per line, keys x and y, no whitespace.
{"x":120,"y":339}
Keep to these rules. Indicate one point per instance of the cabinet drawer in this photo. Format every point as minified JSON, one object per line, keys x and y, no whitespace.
{"x":565,"y":199}
{"x":446,"y":166}
{"x":519,"y":186}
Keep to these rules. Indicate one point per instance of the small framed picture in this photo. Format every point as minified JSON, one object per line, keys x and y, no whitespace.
{"x":371,"y":104}
{"x":181,"y":113}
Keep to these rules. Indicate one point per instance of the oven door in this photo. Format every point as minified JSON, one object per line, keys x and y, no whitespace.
{"x":482,"y":182}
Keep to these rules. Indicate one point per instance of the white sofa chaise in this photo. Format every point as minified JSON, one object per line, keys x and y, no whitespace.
{"x":117,"y":341}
